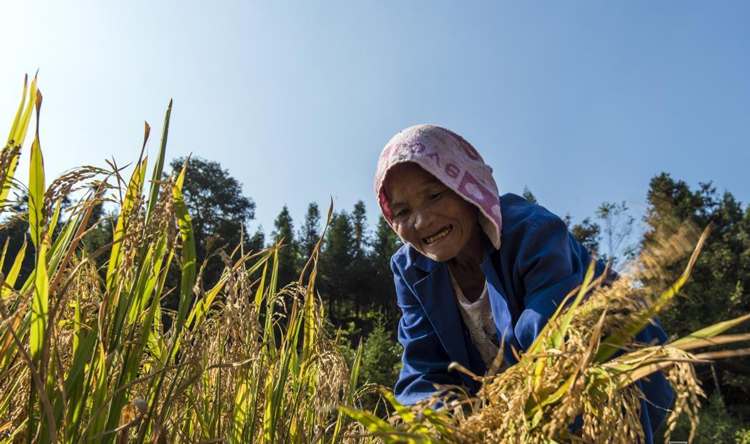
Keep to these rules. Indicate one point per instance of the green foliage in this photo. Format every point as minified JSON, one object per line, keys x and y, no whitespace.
{"x":721,"y":277}
{"x":381,"y":360}
{"x":587,"y":233}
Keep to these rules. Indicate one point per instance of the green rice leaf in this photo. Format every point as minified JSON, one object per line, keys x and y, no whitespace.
{"x":55,"y":217}
{"x":385,"y":431}
{"x":188,"y":257}
{"x":268,"y":335}
{"x":269,"y":423}
{"x":16,"y":138}
{"x":5,"y":252}
{"x":39,"y":304}
{"x":181,"y":177}
{"x":159,"y":165}
{"x":370,"y":421}
{"x":131,"y":194}
{"x":709,"y":332}
{"x":262,"y":286}
{"x":20,"y":126}
{"x":36,"y":194}
{"x":17,"y":119}
{"x":402,"y":411}
{"x":308,"y":341}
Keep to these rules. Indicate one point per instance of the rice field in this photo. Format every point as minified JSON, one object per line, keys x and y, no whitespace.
{"x":86,"y":357}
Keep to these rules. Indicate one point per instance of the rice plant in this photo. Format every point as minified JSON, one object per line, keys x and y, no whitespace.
{"x":571,"y":370}
{"x":85,"y":356}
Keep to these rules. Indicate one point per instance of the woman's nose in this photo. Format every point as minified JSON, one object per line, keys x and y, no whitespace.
{"x":423,"y":219}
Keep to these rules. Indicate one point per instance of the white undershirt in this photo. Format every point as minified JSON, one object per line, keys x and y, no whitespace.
{"x":478,"y":318}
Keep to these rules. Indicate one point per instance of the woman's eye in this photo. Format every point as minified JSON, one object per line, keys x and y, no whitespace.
{"x":434,"y":196}
{"x":401,"y":213}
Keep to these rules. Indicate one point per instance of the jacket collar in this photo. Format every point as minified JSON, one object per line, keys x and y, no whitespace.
{"x":422,"y":262}
{"x":435,"y":292}
{"x":438,"y":298}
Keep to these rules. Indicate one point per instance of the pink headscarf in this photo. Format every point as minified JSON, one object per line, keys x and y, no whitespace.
{"x":453,"y":161}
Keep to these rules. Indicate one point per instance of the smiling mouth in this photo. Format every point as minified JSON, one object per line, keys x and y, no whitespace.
{"x":439,"y":235}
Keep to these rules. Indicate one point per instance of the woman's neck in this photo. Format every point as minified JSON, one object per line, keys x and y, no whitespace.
{"x":467,"y":263}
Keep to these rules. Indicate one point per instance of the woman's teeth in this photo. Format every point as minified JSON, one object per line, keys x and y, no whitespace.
{"x":441,"y":234}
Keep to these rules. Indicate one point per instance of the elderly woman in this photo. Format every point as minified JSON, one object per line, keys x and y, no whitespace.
{"x":477,"y":270}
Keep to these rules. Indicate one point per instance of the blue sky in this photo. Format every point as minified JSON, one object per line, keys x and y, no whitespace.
{"x":581,"y":101}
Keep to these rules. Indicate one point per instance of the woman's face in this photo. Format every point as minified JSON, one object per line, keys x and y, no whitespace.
{"x":427,"y":214}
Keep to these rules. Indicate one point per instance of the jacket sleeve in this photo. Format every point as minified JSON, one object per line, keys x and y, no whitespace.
{"x":550,"y":264}
{"x":425,"y":361}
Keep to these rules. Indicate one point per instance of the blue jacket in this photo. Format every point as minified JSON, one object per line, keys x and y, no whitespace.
{"x":537,"y":265}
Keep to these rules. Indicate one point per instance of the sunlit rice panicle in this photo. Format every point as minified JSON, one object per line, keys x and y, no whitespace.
{"x":8,"y":157}
{"x":687,"y":392}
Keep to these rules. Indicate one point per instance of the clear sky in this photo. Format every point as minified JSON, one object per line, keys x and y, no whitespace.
{"x":581,"y":101}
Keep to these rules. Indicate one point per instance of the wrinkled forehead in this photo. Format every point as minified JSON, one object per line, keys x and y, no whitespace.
{"x":406,"y":178}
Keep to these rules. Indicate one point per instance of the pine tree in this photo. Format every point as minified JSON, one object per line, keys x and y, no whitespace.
{"x":528,"y":195}
{"x":288,"y":255}
{"x":337,"y":281}
{"x":309,"y":232}
{"x":381,"y":356}
{"x":257,"y":241}
{"x":359,"y":221}
{"x":385,"y":244}
{"x":362,"y":263}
